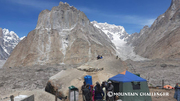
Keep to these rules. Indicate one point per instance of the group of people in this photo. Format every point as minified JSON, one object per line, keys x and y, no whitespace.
{"x":97,"y":93}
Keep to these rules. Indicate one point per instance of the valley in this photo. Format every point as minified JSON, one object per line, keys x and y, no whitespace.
{"x":64,"y":45}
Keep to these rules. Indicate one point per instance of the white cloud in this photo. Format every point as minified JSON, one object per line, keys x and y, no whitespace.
{"x":35,"y":3}
{"x":128,"y":19}
{"x":132,"y":19}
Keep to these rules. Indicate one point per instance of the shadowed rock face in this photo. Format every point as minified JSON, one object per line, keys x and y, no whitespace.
{"x":63,"y":35}
{"x":161,"y":40}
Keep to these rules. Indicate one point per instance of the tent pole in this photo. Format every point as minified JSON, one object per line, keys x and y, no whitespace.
{"x":56,"y":95}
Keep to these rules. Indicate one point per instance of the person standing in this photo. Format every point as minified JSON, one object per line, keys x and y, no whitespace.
{"x":82,"y":89}
{"x":98,"y":92}
{"x":106,"y":86}
{"x":110,"y":89}
{"x":104,"y":91}
{"x":87,"y":93}
{"x":92,"y":92}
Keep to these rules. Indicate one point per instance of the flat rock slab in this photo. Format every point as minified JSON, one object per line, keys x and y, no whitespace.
{"x":88,"y":68}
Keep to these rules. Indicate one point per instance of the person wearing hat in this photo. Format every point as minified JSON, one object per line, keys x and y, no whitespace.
{"x":98,"y":92}
{"x":110,"y":89}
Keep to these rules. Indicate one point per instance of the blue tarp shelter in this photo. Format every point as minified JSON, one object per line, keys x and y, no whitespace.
{"x":129,"y":83}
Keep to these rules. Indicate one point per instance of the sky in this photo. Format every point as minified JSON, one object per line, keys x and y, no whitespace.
{"x":21,"y":16}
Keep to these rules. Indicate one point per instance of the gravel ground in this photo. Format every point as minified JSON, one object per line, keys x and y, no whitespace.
{"x":35,"y":78}
{"x":157,"y":70}
{"x":14,"y":79}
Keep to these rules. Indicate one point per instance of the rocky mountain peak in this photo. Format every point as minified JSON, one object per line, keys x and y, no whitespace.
{"x":63,"y":35}
{"x":61,"y":17}
{"x":161,"y":39}
{"x":145,"y":28}
{"x":64,"y":5}
{"x":175,"y":4}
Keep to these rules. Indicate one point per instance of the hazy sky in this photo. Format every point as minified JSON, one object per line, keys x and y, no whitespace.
{"x":21,"y":16}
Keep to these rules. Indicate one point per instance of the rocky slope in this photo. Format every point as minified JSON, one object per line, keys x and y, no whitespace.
{"x":161,"y":40}
{"x":63,"y":35}
{"x":119,"y":37}
{"x":8,"y":40}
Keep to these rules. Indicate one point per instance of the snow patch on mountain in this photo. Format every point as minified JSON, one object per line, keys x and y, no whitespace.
{"x":22,"y":37}
{"x":9,"y":40}
{"x":118,"y":36}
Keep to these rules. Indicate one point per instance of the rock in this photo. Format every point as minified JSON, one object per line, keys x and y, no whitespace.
{"x":163,"y":65}
{"x":89,"y":68}
{"x":51,"y":88}
{"x":63,"y":80}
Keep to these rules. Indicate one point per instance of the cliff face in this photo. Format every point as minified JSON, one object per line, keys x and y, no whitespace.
{"x":63,"y":35}
{"x":161,"y":40}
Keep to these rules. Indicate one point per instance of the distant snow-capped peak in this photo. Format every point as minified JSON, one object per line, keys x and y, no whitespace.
{"x":8,"y":33}
{"x":109,"y":27}
{"x":117,"y":34}
{"x":8,"y":41}
{"x":10,"y":38}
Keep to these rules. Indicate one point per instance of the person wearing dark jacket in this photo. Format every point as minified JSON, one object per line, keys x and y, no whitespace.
{"x":98,"y":92}
{"x":87,"y":93}
{"x":82,"y":89}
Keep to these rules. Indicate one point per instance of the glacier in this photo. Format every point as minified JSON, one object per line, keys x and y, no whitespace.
{"x":118,"y":36}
